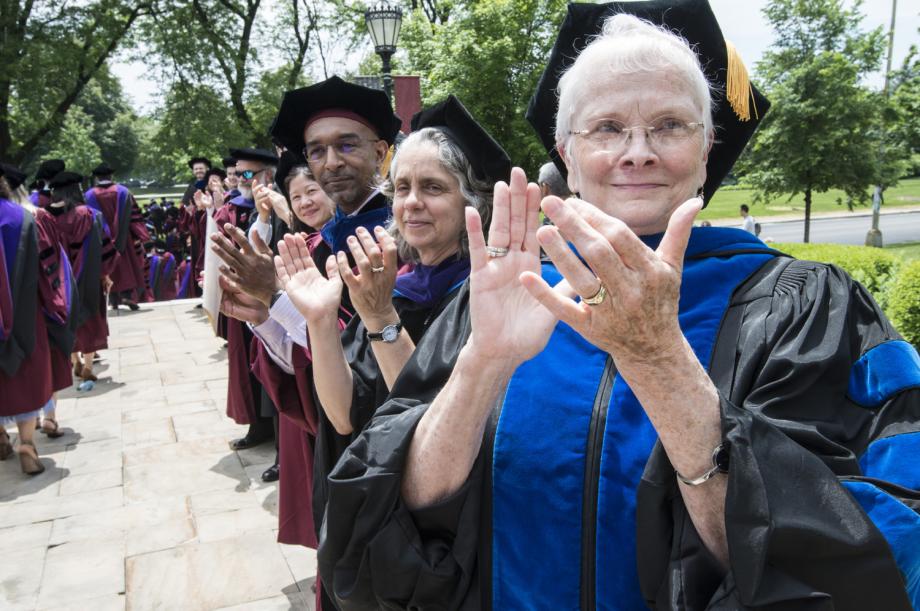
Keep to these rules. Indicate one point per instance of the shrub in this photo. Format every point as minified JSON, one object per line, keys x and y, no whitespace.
{"x":904,"y":305}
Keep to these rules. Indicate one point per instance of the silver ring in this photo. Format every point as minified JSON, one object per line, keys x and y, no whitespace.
{"x":496,"y":251}
{"x":377,"y":270}
{"x":597,"y":298}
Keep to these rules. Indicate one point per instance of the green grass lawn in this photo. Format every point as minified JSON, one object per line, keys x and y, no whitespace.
{"x":909,"y":251}
{"x":727,"y":200}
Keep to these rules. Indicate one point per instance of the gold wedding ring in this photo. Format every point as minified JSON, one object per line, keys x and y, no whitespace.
{"x":496,"y":251}
{"x":598,"y":297}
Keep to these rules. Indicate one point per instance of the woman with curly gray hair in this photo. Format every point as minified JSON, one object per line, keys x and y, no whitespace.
{"x":448,"y":163}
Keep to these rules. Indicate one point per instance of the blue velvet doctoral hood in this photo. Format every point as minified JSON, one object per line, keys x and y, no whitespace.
{"x":540,"y":466}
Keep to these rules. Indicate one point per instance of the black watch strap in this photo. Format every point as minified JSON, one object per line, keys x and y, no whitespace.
{"x":390,"y":330}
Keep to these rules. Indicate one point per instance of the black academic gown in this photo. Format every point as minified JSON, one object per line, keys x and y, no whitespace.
{"x":822,"y":503}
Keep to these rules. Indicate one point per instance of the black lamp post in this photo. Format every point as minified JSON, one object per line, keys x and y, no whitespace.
{"x":383,"y":22}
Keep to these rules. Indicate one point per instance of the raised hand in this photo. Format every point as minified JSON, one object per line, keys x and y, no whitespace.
{"x":250,"y":266}
{"x":508,"y":323}
{"x":314,"y":295}
{"x":237,"y":304}
{"x":267,"y":200}
{"x":638,"y":289}
{"x":203,"y":200}
{"x":371,"y":289}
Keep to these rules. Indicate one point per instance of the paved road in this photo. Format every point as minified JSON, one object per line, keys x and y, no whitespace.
{"x":896,"y":228}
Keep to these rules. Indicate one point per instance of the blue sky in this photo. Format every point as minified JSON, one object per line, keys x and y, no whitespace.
{"x":741,"y":22}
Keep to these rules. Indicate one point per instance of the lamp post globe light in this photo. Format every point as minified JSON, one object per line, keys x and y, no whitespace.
{"x":383,"y":23}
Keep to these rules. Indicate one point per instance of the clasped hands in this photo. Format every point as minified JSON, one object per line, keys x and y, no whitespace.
{"x":514,"y":310}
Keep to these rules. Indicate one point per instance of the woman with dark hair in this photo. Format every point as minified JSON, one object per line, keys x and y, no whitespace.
{"x":85,"y":237}
{"x":34,"y":291}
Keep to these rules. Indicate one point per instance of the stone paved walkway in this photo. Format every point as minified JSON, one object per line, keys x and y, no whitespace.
{"x":142,"y":505}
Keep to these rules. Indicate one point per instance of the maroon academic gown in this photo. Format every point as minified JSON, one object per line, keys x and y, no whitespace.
{"x":34,"y":284}
{"x":243,"y":389}
{"x":128,"y":232}
{"x":194,"y":223}
{"x":92,"y":255}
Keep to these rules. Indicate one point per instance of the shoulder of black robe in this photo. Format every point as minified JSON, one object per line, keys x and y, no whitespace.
{"x":374,"y":553}
{"x":23,"y":286}
{"x":369,"y":390}
{"x":819,"y":457}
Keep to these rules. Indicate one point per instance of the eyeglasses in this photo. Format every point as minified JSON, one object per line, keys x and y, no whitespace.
{"x":315,"y":153}
{"x":612,"y":136}
{"x":249,"y":174}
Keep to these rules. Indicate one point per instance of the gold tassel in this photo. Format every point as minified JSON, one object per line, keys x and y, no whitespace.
{"x":385,"y":166}
{"x":738,"y":87}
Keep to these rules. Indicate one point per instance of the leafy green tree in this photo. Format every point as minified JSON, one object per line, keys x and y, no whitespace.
{"x":490,"y":54}
{"x":822,"y":131}
{"x":74,"y":143}
{"x":905,"y":106}
{"x":50,"y":52}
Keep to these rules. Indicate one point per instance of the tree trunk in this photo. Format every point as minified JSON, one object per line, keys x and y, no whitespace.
{"x":807,"y":214}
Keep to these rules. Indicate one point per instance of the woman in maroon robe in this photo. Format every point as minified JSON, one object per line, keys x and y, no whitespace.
{"x":85,"y":236}
{"x":34,"y":287}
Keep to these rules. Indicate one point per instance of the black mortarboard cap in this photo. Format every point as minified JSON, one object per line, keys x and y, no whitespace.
{"x":14,"y":176}
{"x":300,"y":105}
{"x":261,"y":155}
{"x":216,"y":172}
{"x":103,"y":169}
{"x":194,"y":160}
{"x":228,"y":161}
{"x":286,"y":164}
{"x":695,"y":21}
{"x":49,"y":168}
{"x":65,"y":179}
{"x":489,"y":160}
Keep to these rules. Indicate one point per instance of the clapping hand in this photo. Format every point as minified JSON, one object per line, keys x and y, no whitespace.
{"x":371,"y":289}
{"x":267,"y":200}
{"x":250,"y":267}
{"x":315,"y":296}
{"x":237,"y":304}
{"x":203,"y":200}
{"x":635,"y":289}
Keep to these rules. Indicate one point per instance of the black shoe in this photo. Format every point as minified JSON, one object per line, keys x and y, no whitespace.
{"x":270,"y":474}
{"x":134,"y":307}
{"x":246,"y":442}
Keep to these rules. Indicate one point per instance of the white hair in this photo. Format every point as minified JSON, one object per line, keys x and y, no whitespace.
{"x":629,"y":45}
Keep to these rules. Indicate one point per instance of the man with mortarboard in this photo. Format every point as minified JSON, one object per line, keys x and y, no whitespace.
{"x":247,"y":403}
{"x":193,"y":221}
{"x":129,"y":233}
{"x":231,"y":181}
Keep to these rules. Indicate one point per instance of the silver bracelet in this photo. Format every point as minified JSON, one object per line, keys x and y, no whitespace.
{"x":719,"y":465}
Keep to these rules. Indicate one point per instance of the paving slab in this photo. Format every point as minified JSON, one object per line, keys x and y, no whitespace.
{"x":143,"y":505}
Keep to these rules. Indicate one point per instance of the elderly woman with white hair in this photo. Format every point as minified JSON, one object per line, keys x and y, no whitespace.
{"x":671,"y":417}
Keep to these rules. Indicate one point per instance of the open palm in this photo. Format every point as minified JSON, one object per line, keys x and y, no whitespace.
{"x":314,"y":295}
{"x":507,"y":321}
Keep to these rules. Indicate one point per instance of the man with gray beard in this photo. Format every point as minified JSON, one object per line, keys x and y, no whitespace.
{"x":246,"y":403}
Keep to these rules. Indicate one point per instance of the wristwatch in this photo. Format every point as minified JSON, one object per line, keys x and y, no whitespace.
{"x":387,"y":335}
{"x":720,"y":456}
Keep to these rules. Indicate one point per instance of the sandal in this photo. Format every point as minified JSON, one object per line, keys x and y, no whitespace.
{"x":6,"y":448}
{"x":51,"y":429}
{"x":87,"y":374}
{"x":28,"y":459}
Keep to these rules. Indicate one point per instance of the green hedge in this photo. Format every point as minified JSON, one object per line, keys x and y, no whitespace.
{"x":894,"y":283}
{"x":904,"y":305}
